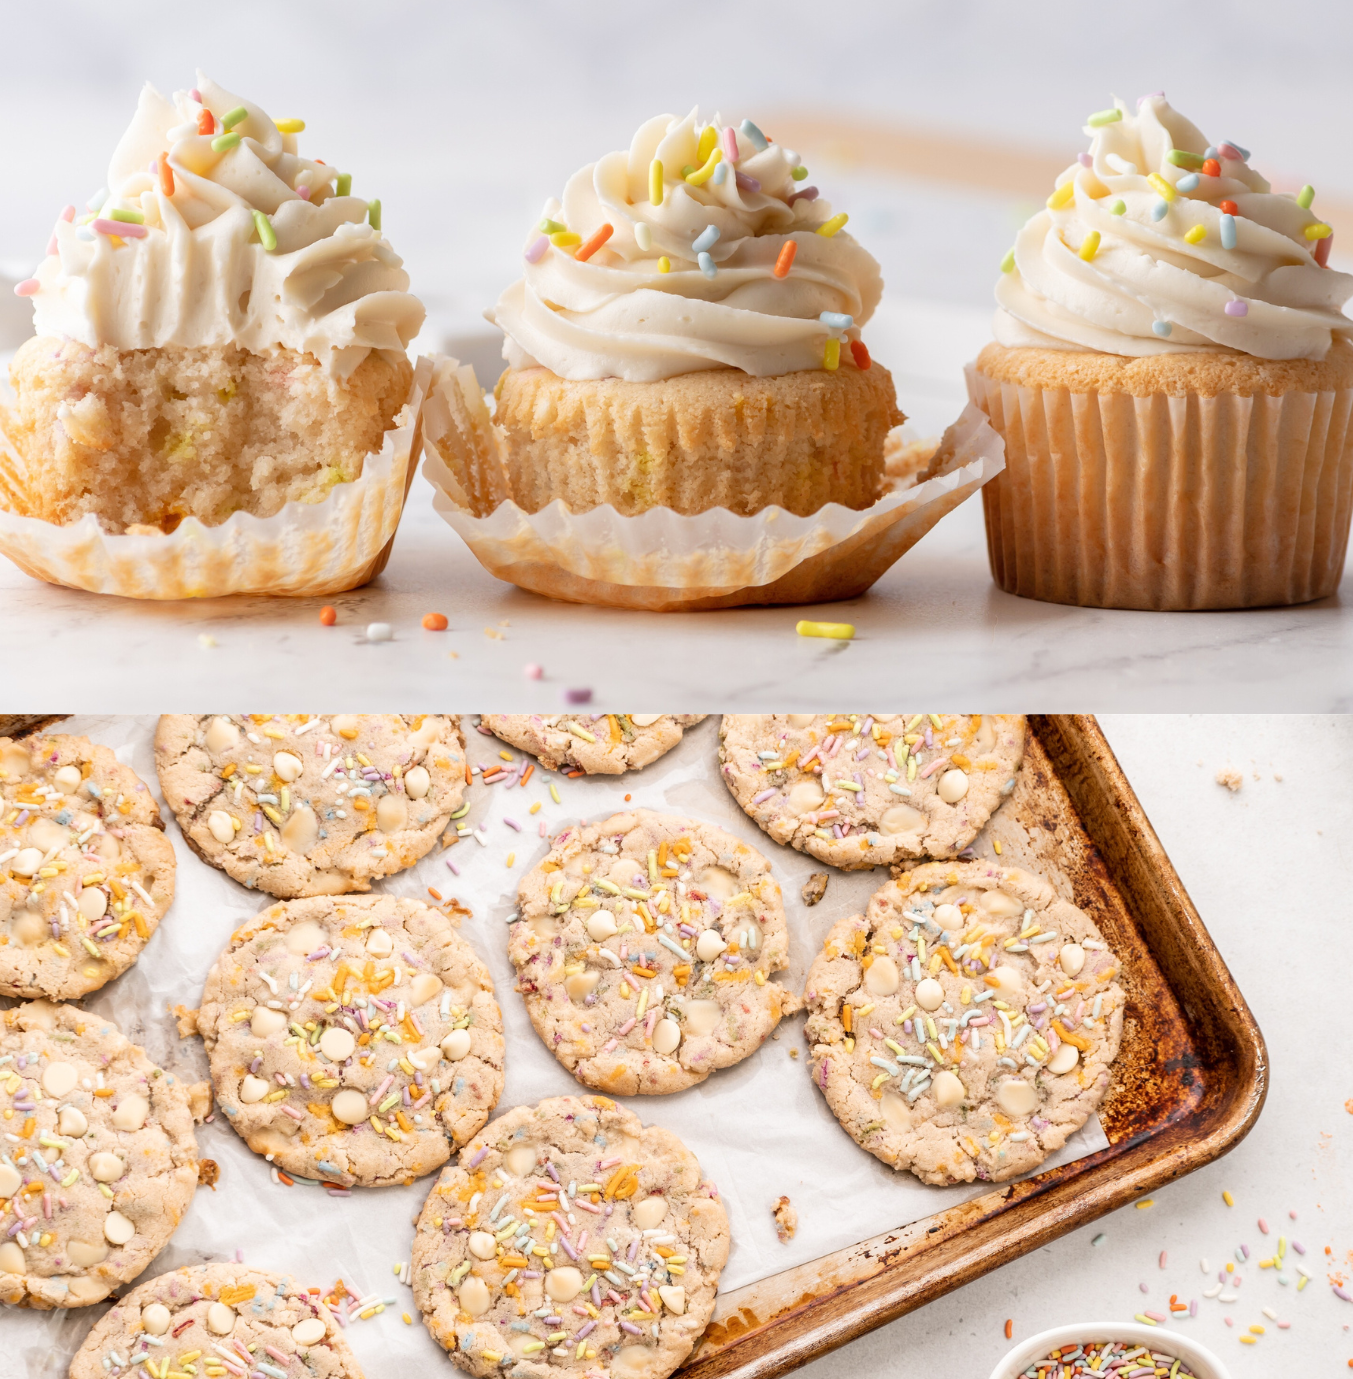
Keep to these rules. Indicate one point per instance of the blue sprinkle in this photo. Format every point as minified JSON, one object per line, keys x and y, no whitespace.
{"x":1244,"y":152}
{"x":1188,"y":183}
{"x":836,"y":320}
{"x":229,"y":1110}
{"x":1160,"y":209}
{"x":63,"y":817}
{"x":1228,"y":232}
{"x":720,"y":175}
{"x":1211,"y":151}
{"x":706,"y":239}
{"x":94,"y":790}
{"x":1161,"y":327}
{"x":759,"y":140}
{"x":459,"y":1087}
{"x":707,"y":266}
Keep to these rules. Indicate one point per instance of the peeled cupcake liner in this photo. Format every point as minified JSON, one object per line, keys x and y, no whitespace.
{"x":1168,"y":503}
{"x":305,"y":549}
{"x":664,"y":561}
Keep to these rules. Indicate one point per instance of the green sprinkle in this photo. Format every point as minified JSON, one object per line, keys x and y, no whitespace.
{"x":688,"y":169}
{"x":265,"y":231}
{"x":1103,"y":117}
{"x":373,"y":214}
{"x":1119,"y":207}
{"x":1008,"y":262}
{"x":798,"y":173}
{"x":128,"y":217}
{"x":232,"y":117}
{"x":552,"y":227}
{"x":343,"y":184}
{"x":1305,"y":196}
{"x":1181,"y":158}
{"x":224,"y":141}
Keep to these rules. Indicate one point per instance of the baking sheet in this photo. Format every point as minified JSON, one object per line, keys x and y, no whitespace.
{"x":759,"y":1129}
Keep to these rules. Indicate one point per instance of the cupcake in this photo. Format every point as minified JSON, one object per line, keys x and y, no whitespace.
{"x":223,"y":331}
{"x":686,"y":335}
{"x":1173,"y":378}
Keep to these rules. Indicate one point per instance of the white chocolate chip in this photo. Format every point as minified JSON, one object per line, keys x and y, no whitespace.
{"x":718,"y":882}
{"x":117,"y":1228}
{"x":220,"y":1319}
{"x":264,"y":1022}
{"x":105,"y":1167}
{"x":998,"y":903}
{"x":58,"y":1079}
{"x":882,"y":978}
{"x":666,"y":1036}
{"x":947,"y":1090}
{"x":27,"y":862}
{"x":252,"y":1089}
{"x":804,"y":796}
{"x":1072,"y":958}
{"x":84,"y":1254}
{"x":456,"y":1045}
{"x":10,"y":1181}
{"x":424,"y":987}
{"x":709,"y":945}
{"x":1016,"y":1097}
{"x":953,"y":786}
{"x":601,"y":926}
{"x":336,"y":1044}
{"x":1007,"y":982}
{"x":649,"y":1213}
{"x":520,"y":1160}
{"x":47,"y":834}
{"x":93,"y":904}
{"x":801,"y":720}
{"x":896,"y":1112}
{"x":1066,"y":1058}
{"x":72,"y":1122}
{"x":12,"y":1259}
{"x":901,"y":818}
{"x":305,"y":937}
{"x":417,"y":782}
{"x":155,"y":1319}
{"x":673,"y":1297}
{"x":947,"y":916}
{"x":929,"y":994}
{"x":581,"y":984}
{"x":482,"y":1245}
{"x":222,"y":735}
{"x":308,"y":1332}
{"x":220,"y":826}
{"x":474,"y":1296}
{"x":379,"y":944}
{"x":392,"y":813}
{"x":67,"y":779}
{"x":563,"y":1284}
{"x":131,"y":1112}
{"x":349,"y":1106}
{"x":301,"y":831}
{"x":644,"y":720}
{"x":287,"y":766}
{"x":702,"y":1017}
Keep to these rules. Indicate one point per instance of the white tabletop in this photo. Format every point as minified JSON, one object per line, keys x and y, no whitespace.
{"x":936,"y":611}
{"x":1247,"y":860}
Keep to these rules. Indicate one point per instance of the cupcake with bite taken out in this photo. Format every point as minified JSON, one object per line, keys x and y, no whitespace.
{"x":1173,"y":379}
{"x":223,"y":332}
{"x":686,"y":334}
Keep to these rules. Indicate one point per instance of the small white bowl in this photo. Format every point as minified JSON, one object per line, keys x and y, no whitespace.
{"x":1198,"y":1358}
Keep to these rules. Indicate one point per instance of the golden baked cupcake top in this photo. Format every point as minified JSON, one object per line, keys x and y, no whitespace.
{"x":699,"y":248}
{"x":214,"y":230}
{"x":1157,"y":241}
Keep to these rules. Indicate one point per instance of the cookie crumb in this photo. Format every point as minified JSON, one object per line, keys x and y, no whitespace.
{"x":793,"y":1053}
{"x":786,"y":1220}
{"x":208,"y":1173}
{"x":815,"y":888}
{"x":1230,"y":778}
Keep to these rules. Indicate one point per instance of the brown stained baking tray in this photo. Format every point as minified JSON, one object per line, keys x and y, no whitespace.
{"x":1187,"y":1086}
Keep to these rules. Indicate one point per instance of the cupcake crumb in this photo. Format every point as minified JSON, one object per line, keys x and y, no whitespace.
{"x":1230,"y":778}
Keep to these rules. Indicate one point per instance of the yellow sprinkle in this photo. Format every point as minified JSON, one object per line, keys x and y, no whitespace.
{"x":290,"y":126}
{"x":565,"y":239}
{"x":408,"y":1320}
{"x":554,"y":792}
{"x":1247,"y":1340}
{"x":1256,"y":1330}
{"x":830,"y":227}
{"x":535,"y":808}
{"x":831,"y":355}
{"x":511,"y":857}
{"x":1228,"y":1199}
{"x":1144,"y":1319}
{"x":655,"y":182}
{"x":1063,"y":195}
{"x":1089,"y":246}
{"x":997,"y":845}
{"x":702,"y":175}
{"x":664,"y":264}
{"x":1142,"y":1206}
{"x":840,"y":631}
{"x":1196,"y":235}
{"x":1318,"y":231}
{"x":1162,"y":188}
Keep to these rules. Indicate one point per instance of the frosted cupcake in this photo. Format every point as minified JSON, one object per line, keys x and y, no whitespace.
{"x":687,"y":335}
{"x":223,"y":332}
{"x":1173,"y":378}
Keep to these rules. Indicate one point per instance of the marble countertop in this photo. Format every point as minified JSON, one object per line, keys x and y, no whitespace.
{"x":935,"y":616}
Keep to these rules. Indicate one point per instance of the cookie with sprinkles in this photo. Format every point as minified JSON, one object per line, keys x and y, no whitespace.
{"x":218,"y":1321}
{"x":353,"y":1039}
{"x":570,"y":1239}
{"x":965,"y":1025}
{"x":644,"y":948}
{"x":302,"y":804}
{"x":86,"y":872}
{"x":866,"y":790}
{"x":603,"y":744}
{"x":99,"y":1161}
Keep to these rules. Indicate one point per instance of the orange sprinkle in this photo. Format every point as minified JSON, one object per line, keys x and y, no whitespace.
{"x":859,"y":352}
{"x":1009,"y":1327}
{"x":435,"y":622}
{"x":786,"y":259}
{"x":206,"y":123}
{"x":166,"y":175}
{"x":435,"y":894}
{"x":282,"y":1177}
{"x":28,"y":1127}
{"x":328,"y":615}
{"x":526,"y":774}
{"x":573,"y":775}
{"x":628,"y":798}
{"x":468,"y":777}
{"x":1211,"y":168}
{"x":585,"y":251}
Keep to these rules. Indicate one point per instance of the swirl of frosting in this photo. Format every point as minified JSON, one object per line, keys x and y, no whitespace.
{"x":1158,"y":242}
{"x":177,"y":256}
{"x":689,"y":283}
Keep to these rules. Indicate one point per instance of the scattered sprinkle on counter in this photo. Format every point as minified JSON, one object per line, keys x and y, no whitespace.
{"x":837,"y":631}
{"x":328,"y":616}
{"x":578,"y":696}
{"x":379,"y":632}
{"x":435,"y":622}
{"x":206,"y":640}
{"x":533,"y":671}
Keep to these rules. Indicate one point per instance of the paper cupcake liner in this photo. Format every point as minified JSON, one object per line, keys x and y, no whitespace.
{"x":305,"y":549}
{"x":1114,"y":501}
{"x":663,"y":561}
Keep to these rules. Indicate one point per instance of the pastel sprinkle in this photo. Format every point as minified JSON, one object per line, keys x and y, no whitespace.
{"x":1145,"y":1205}
{"x":1089,"y":246}
{"x":1243,"y":154}
{"x":837,"y":631}
{"x":759,"y":140}
{"x":1318,"y":231}
{"x":702,"y":174}
{"x":829,"y":228}
{"x":1196,"y":234}
{"x":655,"y":182}
{"x":1182,"y":158}
{"x":707,"y":265}
{"x":565,"y":239}
{"x":1188,"y":183}
{"x":537,"y":250}
{"x":267,"y":235}
{"x":799,"y":174}
{"x":831,"y":354}
{"x":1008,"y":262}
{"x":343,"y":184}
{"x":1161,"y":328}
{"x":1305,"y":196}
{"x":643,"y":235}
{"x":114,"y":227}
{"x":836,"y":320}
{"x":373,"y":214}
{"x":706,"y":239}
{"x":552,"y":227}
{"x":28,"y":288}
{"x":1228,"y":232}
{"x":1226,"y":1196}
{"x":1118,"y":207}
{"x":1237,"y":308}
{"x":1160,"y":186}
{"x":1085,"y":160}
{"x":233,"y":117}
{"x":730,"y":144}
{"x":594,"y":243}
{"x":784,"y":260}
{"x":1160,"y":209}
{"x":1322,"y":251}
{"x":222,"y":142}
{"x":1062,"y":195}
{"x":127,"y":217}
{"x":290,"y":126}
{"x":1103,"y":117}
{"x":664,"y":264}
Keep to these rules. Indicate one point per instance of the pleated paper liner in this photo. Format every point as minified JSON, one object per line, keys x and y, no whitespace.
{"x":663,"y":561}
{"x":1114,"y":501}
{"x":305,"y":549}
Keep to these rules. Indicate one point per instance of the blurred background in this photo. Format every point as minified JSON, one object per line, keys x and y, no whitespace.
{"x":938,"y":124}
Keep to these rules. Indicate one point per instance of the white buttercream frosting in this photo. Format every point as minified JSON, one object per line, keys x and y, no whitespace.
{"x":200,"y":273}
{"x":620,"y":315}
{"x":1148,"y":288}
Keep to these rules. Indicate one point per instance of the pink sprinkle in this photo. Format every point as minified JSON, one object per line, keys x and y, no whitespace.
{"x":303,"y":191}
{"x":1162,"y":1259}
{"x":455,"y":870}
{"x":532,"y":671}
{"x":626,"y":1027}
{"x":30,"y":287}
{"x":1263,"y":1225}
{"x":52,"y":246}
{"x":119,"y":227}
{"x":931,"y":767}
{"x":68,"y":214}
{"x":1237,"y":308}
{"x":1230,"y":152}
{"x":1150,"y":96}
{"x":1292,"y":1215}
{"x":1193,"y":1307}
{"x":1085,"y":160}
{"x":1156,"y":1316}
{"x":807,"y":194}
{"x":730,"y":144}
{"x":1322,"y":250}
{"x":1230,"y":1321}
{"x":195,"y":95}
{"x":537,"y":250}
{"x":609,"y":1046}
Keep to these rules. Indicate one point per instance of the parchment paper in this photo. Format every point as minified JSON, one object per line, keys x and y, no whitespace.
{"x":759,"y":1128}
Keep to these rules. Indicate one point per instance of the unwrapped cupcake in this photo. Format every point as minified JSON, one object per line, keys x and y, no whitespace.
{"x":687,"y":335}
{"x":1173,"y":378}
{"x":223,"y":333}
